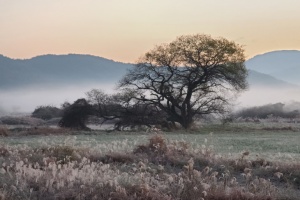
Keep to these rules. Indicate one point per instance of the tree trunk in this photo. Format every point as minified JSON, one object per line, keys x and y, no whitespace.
{"x":186,"y":122}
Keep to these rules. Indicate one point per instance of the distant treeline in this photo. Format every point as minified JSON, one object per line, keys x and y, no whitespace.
{"x":269,"y":110}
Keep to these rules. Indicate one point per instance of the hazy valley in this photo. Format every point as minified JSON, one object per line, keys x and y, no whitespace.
{"x":54,"y":79}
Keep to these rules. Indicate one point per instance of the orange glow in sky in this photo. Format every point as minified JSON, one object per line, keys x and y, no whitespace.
{"x":125,"y":30}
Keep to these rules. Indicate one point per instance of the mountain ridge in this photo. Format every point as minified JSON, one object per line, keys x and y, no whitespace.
{"x":258,"y":79}
{"x":281,"y":64}
{"x":60,"y":55}
{"x":68,"y":69}
{"x":59,"y":69}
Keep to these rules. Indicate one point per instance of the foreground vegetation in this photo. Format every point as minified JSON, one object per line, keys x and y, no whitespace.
{"x":257,"y":163}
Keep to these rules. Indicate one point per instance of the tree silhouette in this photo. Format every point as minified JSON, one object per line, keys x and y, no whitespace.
{"x":193,"y":75}
{"x":76,"y":115}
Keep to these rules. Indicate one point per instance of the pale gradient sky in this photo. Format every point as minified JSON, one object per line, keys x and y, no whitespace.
{"x":123,"y":30}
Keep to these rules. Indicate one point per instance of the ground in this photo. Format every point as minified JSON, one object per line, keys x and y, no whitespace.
{"x":232,"y":161}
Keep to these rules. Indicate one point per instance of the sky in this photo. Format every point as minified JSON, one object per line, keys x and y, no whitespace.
{"x":123,"y":30}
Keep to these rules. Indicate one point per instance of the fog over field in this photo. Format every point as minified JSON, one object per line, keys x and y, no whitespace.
{"x":261,"y":96}
{"x":27,"y":99}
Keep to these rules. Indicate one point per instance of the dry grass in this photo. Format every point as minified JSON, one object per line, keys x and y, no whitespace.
{"x":45,"y":131}
{"x":285,"y":128}
{"x":118,"y":158}
{"x":4,"y":131}
{"x":157,"y":144}
{"x":3,"y":152}
{"x":205,"y":184}
{"x":25,"y":120}
{"x":160,"y":169}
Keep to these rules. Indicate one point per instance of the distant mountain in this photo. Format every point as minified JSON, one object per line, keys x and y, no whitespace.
{"x":257,"y":79}
{"x":61,"y":70}
{"x":74,"y":69}
{"x":284,"y":65}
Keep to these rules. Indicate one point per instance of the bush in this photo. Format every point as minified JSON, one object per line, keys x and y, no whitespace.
{"x":76,"y":115}
{"x":157,"y":144}
{"x":46,"y":112}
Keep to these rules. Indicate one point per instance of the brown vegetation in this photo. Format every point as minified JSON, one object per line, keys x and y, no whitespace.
{"x":160,"y":169}
{"x":45,"y":131}
{"x":4,"y":131}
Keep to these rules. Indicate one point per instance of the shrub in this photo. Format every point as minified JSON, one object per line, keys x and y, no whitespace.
{"x":76,"y":115}
{"x":157,"y":144}
{"x":46,"y":112}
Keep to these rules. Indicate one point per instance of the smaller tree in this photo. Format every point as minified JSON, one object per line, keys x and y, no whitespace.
{"x":105,"y":106}
{"x":138,"y":115}
{"x":124,"y":109}
{"x":76,"y":115}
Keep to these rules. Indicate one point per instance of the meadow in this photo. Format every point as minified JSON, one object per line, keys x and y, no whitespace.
{"x":215,"y":161}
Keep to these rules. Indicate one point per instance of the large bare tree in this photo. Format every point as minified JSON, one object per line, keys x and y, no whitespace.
{"x":193,"y":75}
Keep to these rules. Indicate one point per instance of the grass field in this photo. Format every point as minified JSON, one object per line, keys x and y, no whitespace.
{"x":234,"y":161}
{"x":225,"y":140}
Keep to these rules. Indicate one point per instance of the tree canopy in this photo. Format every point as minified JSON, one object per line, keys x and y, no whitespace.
{"x":193,"y":75}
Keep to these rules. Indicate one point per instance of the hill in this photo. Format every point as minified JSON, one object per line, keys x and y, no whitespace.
{"x":262,"y":80}
{"x":76,"y":69}
{"x":59,"y":70}
{"x":284,"y":65}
